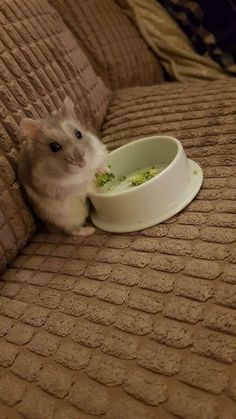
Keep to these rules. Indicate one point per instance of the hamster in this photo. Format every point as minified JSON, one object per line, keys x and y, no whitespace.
{"x":57,"y":164}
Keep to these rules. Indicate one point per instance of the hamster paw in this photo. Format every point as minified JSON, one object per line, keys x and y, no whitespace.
{"x":84,"y":231}
{"x":103,"y":170}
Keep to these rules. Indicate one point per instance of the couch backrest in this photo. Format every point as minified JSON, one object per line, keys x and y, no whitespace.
{"x":114,"y":46}
{"x":40,"y":64}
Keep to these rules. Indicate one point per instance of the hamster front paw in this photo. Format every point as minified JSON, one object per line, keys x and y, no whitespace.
{"x":103,"y":170}
{"x":83,"y":231}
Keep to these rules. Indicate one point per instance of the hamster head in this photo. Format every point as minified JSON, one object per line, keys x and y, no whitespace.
{"x":60,"y":147}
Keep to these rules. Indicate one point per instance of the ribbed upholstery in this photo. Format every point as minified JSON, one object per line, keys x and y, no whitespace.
{"x":138,"y":325}
{"x":40,"y":63}
{"x":114,"y":46}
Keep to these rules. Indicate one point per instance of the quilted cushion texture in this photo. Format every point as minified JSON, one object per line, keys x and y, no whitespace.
{"x":40,"y":63}
{"x":139,"y":325}
{"x":114,"y":46}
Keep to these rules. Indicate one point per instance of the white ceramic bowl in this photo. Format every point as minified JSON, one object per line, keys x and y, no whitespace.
{"x":158,"y":199}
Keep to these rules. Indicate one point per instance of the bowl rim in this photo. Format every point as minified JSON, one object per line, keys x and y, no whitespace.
{"x":154,"y":179}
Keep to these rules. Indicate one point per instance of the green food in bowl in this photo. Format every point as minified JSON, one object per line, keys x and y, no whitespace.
{"x":103,"y":178}
{"x":135,"y":179}
{"x":144,"y":176}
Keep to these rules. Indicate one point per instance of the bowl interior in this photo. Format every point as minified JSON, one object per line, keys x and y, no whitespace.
{"x":132,"y":158}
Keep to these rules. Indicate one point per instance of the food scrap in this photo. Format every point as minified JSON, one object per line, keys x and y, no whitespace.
{"x":144,"y":176}
{"x":137,"y":179}
{"x":103,"y":178}
{"x":121,"y":178}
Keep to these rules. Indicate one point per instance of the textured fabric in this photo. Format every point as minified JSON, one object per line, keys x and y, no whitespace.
{"x":16,"y":221}
{"x":136,"y":326}
{"x":114,"y":46}
{"x":211,"y":27}
{"x":198,"y":111}
{"x":40,"y":64}
{"x":173,"y":48}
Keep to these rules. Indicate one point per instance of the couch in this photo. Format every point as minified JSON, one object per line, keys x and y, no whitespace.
{"x":131,"y":326}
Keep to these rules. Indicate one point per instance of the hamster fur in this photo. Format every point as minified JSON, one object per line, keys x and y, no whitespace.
{"x":57,"y":164}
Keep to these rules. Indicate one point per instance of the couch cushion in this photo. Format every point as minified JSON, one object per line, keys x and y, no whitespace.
{"x":198,"y":113}
{"x":143,"y":321}
{"x":112,"y":43}
{"x":41,"y":63}
{"x":16,"y":221}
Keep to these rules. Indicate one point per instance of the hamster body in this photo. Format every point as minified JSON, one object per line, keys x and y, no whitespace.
{"x":57,"y":164}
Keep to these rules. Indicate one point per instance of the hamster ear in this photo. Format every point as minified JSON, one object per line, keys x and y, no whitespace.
{"x":68,"y":109}
{"x":29,"y":127}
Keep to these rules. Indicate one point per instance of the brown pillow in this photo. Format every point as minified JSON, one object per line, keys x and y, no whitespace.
{"x":41,"y":63}
{"x":112,"y":43}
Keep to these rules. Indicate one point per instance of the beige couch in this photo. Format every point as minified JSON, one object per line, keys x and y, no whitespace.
{"x":135,"y":326}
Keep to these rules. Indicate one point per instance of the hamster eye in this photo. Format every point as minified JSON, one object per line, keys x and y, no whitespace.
{"x":78,"y":134}
{"x":55,"y":147}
